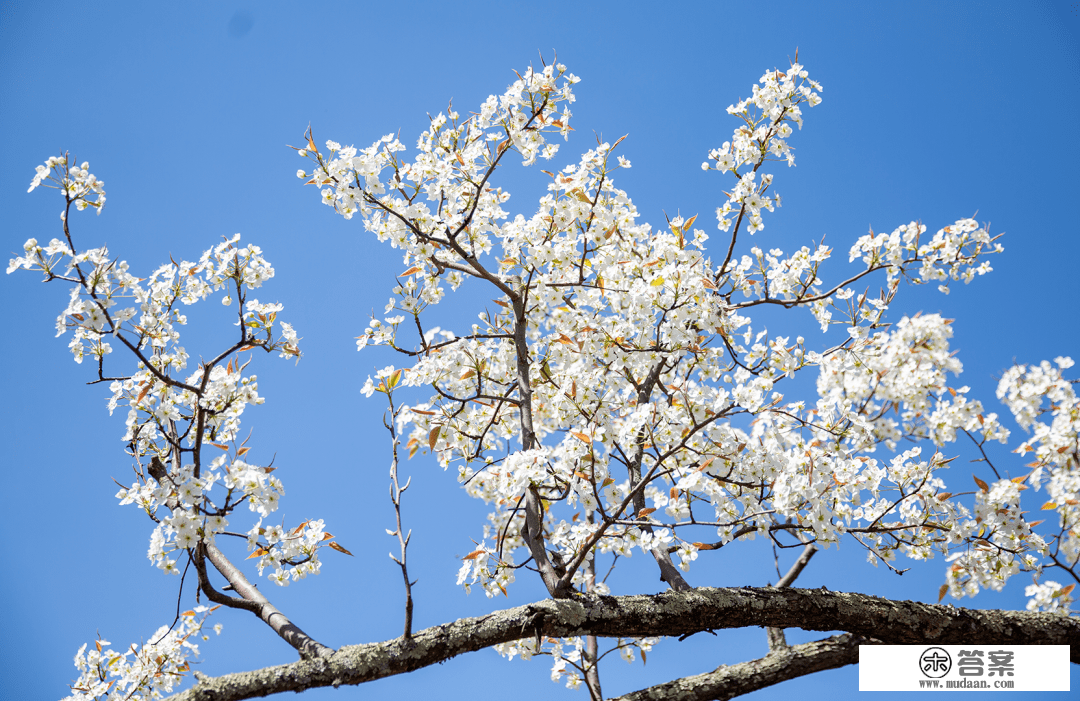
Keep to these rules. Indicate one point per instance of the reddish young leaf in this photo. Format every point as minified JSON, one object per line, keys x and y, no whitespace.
{"x":340,"y":549}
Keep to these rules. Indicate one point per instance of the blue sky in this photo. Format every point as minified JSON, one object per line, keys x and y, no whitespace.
{"x":932,"y":111}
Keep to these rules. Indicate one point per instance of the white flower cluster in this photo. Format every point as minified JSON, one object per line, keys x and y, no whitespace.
{"x":767,"y":116}
{"x":143,"y":672}
{"x":568,"y":662}
{"x":616,"y":377}
{"x":951,"y":254}
{"x":144,"y":315}
{"x":484,"y":565}
{"x":80,"y":187}
{"x":1050,"y":597}
{"x":1045,"y":404}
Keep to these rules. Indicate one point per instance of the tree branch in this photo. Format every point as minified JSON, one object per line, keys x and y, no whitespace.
{"x":250,"y":599}
{"x":728,"y":682}
{"x":777,"y":639}
{"x":671,"y":613}
{"x":253,"y":600}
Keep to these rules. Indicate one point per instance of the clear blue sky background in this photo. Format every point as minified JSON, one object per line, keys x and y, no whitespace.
{"x":932,"y":111}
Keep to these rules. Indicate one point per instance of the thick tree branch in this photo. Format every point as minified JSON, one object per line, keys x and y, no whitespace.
{"x":728,"y":682}
{"x":253,"y":600}
{"x":668,"y":614}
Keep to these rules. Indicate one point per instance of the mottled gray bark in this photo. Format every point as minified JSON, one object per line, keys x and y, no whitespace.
{"x":668,"y":614}
{"x":779,"y":666}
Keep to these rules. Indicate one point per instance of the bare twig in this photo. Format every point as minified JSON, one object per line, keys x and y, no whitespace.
{"x":591,"y":659}
{"x":777,"y":639}
{"x":396,"y":490}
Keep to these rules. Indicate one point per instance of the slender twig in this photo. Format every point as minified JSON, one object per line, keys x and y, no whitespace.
{"x":592,"y":660}
{"x":396,"y":490}
{"x":777,"y":639}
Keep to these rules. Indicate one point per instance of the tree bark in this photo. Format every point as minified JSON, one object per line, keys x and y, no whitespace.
{"x":778,"y":666}
{"x":668,"y":614}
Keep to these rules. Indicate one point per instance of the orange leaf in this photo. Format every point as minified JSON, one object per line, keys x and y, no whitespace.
{"x":1065,"y":590}
{"x":581,"y":436}
{"x":299,"y":528}
{"x":410,"y":271}
{"x":982,"y":485}
{"x":143,"y":393}
{"x":188,"y":613}
{"x":421,"y":411}
{"x":242,"y":451}
{"x":433,"y":437}
{"x":327,"y":536}
{"x":258,"y":553}
{"x":705,"y":546}
{"x":473,"y":555}
{"x":942,"y":592}
{"x":467,"y":374}
{"x":220,"y":445}
{"x":339,"y":548}
{"x":645,"y":512}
